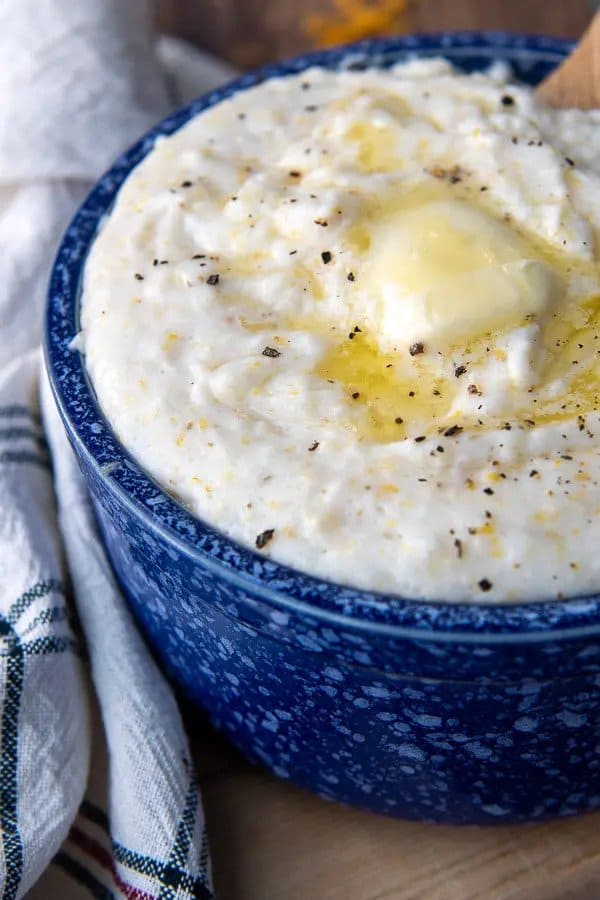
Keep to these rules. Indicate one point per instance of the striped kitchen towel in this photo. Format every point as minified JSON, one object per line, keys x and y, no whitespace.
{"x":98,"y":795}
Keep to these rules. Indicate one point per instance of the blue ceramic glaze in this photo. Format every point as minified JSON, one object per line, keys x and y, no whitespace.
{"x":446,"y":712}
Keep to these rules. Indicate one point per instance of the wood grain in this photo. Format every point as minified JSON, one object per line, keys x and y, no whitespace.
{"x":269,"y":840}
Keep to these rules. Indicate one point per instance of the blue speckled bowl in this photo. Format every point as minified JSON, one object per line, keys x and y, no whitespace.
{"x":456,"y":713}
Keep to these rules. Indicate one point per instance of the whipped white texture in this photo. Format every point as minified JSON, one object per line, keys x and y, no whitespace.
{"x":352,"y":320}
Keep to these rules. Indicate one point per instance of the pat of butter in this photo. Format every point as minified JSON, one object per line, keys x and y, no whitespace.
{"x":446,"y":271}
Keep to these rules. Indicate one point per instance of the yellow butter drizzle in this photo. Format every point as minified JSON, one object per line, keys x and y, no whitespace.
{"x":392,"y":403}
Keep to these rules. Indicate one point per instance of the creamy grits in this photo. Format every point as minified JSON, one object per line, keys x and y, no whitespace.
{"x":352,"y":320}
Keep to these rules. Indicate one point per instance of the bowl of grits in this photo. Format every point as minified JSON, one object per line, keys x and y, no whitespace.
{"x":325,"y":343}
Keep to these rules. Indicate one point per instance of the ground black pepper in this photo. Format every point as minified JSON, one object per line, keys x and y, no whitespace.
{"x":264,"y":537}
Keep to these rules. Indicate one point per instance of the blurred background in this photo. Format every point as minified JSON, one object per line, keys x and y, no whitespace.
{"x":250,"y":32}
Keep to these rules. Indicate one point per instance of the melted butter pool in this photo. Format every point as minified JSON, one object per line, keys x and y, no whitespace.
{"x":393,"y":403}
{"x":476,"y":279}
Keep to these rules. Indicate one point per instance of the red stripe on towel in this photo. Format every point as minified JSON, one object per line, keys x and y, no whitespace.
{"x":101,"y":855}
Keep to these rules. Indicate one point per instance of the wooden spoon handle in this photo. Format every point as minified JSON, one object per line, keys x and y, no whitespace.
{"x":576,"y":82}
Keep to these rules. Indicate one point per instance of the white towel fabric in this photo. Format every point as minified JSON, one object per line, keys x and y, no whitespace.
{"x":97,"y":789}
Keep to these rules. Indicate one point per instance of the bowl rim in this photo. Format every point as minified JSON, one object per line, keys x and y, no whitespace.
{"x":277,"y":584}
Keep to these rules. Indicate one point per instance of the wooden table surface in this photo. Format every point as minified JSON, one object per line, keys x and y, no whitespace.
{"x":269,"y":840}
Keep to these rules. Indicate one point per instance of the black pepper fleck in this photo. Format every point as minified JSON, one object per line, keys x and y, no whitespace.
{"x":264,"y":537}
{"x":212,"y":279}
{"x":272,"y":352}
{"x":313,"y":446}
{"x":485,"y":584}
{"x":417,"y":348}
{"x":452,"y":431}
{"x":326,"y":256}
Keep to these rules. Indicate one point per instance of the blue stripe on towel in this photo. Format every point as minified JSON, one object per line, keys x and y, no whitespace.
{"x":11,"y":838}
